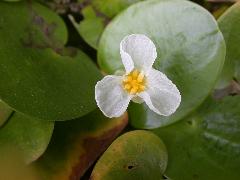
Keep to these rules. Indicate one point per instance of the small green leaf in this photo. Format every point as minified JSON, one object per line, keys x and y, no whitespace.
{"x":40,"y":77}
{"x":134,"y":155}
{"x":97,"y":14}
{"x":28,"y":135}
{"x":229,"y":24}
{"x":205,"y":145}
{"x":5,"y":112}
{"x":91,"y":27}
{"x":76,"y":145}
{"x":111,"y":8}
{"x":191,"y":51}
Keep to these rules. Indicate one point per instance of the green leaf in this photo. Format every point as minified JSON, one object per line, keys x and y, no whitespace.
{"x":190,"y":48}
{"x":91,"y":27}
{"x":134,"y":155}
{"x":5,"y":112}
{"x":27,"y":135}
{"x":229,"y":24}
{"x":205,"y":145}
{"x":76,"y":145}
{"x":110,"y":8}
{"x":97,"y":14}
{"x":40,"y":77}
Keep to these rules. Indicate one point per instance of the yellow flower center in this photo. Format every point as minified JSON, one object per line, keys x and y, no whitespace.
{"x":134,"y":82}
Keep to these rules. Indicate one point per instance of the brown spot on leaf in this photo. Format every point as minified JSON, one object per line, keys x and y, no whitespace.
{"x":232,"y":89}
{"x":46,"y":39}
{"x":94,"y":147}
{"x":130,"y":166}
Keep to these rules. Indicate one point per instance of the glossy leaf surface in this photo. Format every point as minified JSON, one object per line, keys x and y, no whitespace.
{"x":205,"y":145}
{"x":41,"y":77}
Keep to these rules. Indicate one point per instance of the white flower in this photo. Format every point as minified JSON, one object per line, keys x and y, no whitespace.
{"x":139,"y":83}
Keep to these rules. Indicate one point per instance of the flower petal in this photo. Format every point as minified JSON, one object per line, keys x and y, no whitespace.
{"x":126,"y":60}
{"x":138,"y":51}
{"x":162,"y":96}
{"x":110,"y":96}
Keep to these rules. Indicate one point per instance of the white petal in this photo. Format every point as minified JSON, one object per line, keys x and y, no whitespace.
{"x":162,"y":96}
{"x":110,"y":96}
{"x":138,"y":51}
{"x":126,"y":60}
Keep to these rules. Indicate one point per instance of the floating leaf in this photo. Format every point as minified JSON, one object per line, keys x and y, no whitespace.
{"x":205,"y":145}
{"x":27,"y":135}
{"x":190,"y":48}
{"x":76,"y":144}
{"x":40,"y":77}
{"x":5,"y":112}
{"x":97,"y":14}
{"x":229,"y":24}
{"x":134,"y":155}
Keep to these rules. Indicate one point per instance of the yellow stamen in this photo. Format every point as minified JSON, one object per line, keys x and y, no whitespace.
{"x":140,"y":77}
{"x":135,"y":74}
{"x":134,"y":90}
{"x":127,"y":87}
{"x":134,"y":82}
{"x":141,"y":88}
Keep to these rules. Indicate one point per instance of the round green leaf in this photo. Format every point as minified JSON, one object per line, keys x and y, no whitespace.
{"x":26,"y":135}
{"x":5,"y":112}
{"x":97,"y":15}
{"x":40,"y":77}
{"x":205,"y":145}
{"x":134,"y":155}
{"x":190,"y":49}
{"x":229,"y":24}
